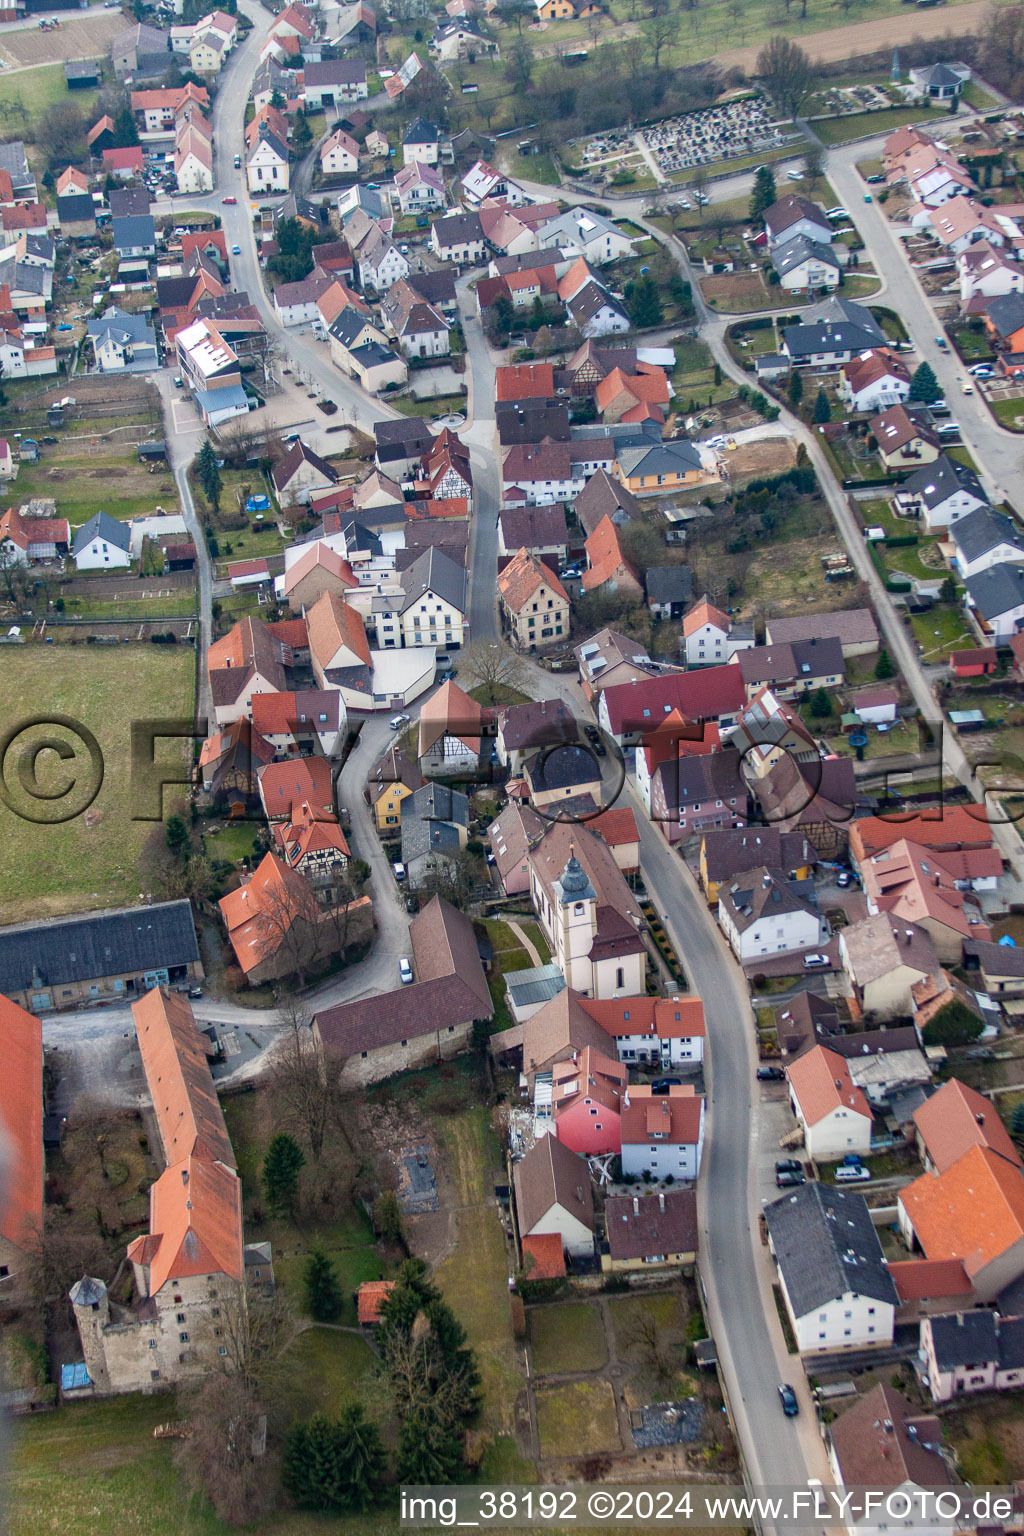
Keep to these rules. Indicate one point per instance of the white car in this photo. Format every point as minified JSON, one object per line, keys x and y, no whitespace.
{"x":397,"y":721}
{"x":836,"y":213}
{"x":982,"y":371}
{"x":405,"y":972}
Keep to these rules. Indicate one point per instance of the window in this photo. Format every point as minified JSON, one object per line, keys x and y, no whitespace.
{"x":222,"y":1350}
{"x":620,"y":976}
{"x":182,"y":1338}
{"x":152,"y":1343}
{"x":154,"y":1375}
{"x":180,"y":1317}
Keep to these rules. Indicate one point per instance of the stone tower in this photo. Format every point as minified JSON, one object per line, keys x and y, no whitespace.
{"x":89,"y":1298}
{"x":577,"y":920}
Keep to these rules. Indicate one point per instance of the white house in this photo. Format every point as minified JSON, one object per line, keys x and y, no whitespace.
{"x":193,"y":158}
{"x":833,"y":1277}
{"x":985,"y":538}
{"x":761,"y":913}
{"x":553,"y":1195}
{"x":804,"y":265}
{"x":833,"y":1113}
{"x":966,"y":1352}
{"x":459,"y":238}
{"x":339,"y":154}
{"x":266,"y":164}
{"x":940,"y":494}
{"x":995,"y":599}
{"x":422,"y":142}
{"x":102,"y":544}
{"x":709,"y":637}
{"x":791,"y":217}
{"x":579,"y":232}
{"x":873,"y":380}
{"x":420,"y":188}
{"x":381,"y":263}
{"x":986,"y":272}
{"x":662,"y":1134}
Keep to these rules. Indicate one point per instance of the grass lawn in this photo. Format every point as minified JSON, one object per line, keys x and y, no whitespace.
{"x":439,"y":405}
{"x":900,"y":738}
{"x":666,"y":1307}
{"x":541,"y":168}
{"x":977,"y":97}
{"x":73,"y":867}
{"x":843,"y":130}
{"x":83,"y":483}
{"x":569,"y":1337}
{"x":858,"y":285}
{"x":535,"y":934}
{"x":1009,"y":412}
{"x":509,"y":955}
{"x":326,"y":1371}
{"x":987,"y":1438}
{"x":28,"y":95}
{"x":940,"y":631}
{"x":231,"y":842}
{"x":577,"y":1419}
{"x":181,"y":605}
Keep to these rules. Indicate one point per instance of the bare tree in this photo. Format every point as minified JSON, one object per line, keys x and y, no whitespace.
{"x":658,"y":31}
{"x":306,"y":1084}
{"x":62,"y":1248}
{"x":258,"y":1331}
{"x":786,"y":73}
{"x":495,"y":666}
{"x":224,"y":1457}
{"x":649,"y":1339}
{"x":12,"y":572}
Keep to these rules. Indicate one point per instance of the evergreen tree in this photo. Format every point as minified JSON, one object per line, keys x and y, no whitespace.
{"x":277,"y":101}
{"x":822,"y":408}
{"x":762,"y":194}
{"x":126,"y":134}
{"x":820,"y":706}
{"x":301,"y":132}
{"x":281,"y":1167}
{"x":643,"y":303}
{"x":176,"y":835}
{"x":208,"y":473}
{"x":333,"y":1464}
{"x":429,"y":1450}
{"x":323,"y":1289}
{"x":360,"y":1456}
{"x":924,"y":386}
{"x":796,"y":388}
{"x":884,"y":665}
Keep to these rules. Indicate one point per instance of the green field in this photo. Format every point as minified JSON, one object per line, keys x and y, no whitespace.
{"x":567,"y":1337}
{"x":26,"y":95}
{"x":74,"y":867}
{"x":577,"y":1419}
{"x":860,"y":125}
{"x":82,"y":483}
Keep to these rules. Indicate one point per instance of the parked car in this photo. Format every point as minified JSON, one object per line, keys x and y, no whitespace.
{"x":982,"y":371}
{"x":848,"y":1174}
{"x":399,"y":872}
{"x":942,"y":343}
{"x":771,"y":1075}
{"x":397,"y":721}
{"x":966,"y":387}
{"x":238,"y":162}
{"x":790,"y":1180}
{"x":811,"y":962}
{"x":867,"y":197}
{"x":405,"y":972}
{"x":874,"y":180}
{"x":836,"y":213}
{"x":788,"y":1165}
{"x":663,"y":1084}
{"x":844,"y":878}
{"x":787,"y":1397}
{"x":195,"y":991}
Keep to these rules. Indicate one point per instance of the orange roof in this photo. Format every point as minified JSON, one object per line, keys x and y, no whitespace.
{"x":283,"y":786}
{"x":673,"y":1117}
{"x":368,"y":1299}
{"x":705,"y":613}
{"x":667,"y":1017}
{"x":974,"y":1211}
{"x":259,"y":913}
{"x":277,"y":714}
{"x":174,"y":1059}
{"x":821,"y":1083}
{"x":519,"y":580}
{"x":450,"y":712}
{"x":21,"y":1115}
{"x":334,"y":626}
{"x":605,"y":556}
{"x":925,"y":1279}
{"x":195,"y":1224}
{"x":921,"y":884}
{"x":525,"y":381}
{"x":956,"y":826}
{"x":956,"y":1119}
{"x":651,"y":387}
{"x":313,"y":829}
{"x":547,"y":1255}
{"x":322,"y":555}
{"x":590,"y":1076}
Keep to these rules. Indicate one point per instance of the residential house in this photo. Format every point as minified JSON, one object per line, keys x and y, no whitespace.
{"x":450,"y":728}
{"x":581,"y":232}
{"x":21,"y":1113}
{"x":511,"y":835}
{"x":524,"y":381}
{"x":434,"y":827}
{"x":932,"y":889}
{"x":630,"y":710}
{"x":553,"y":1195}
{"x":791,"y":669}
{"x":534,"y":604}
{"x":830,"y":1109}
{"x":652,"y":1231}
{"x":421,"y":330}
{"x":339,"y":649}
{"x":401,"y":444}
{"x":669,"y":590}
{"x":421,"y":141}
{"x":652,"y":469}
{"x":102,"y":544}
{"x":873,"y":380}
{"x":285,"y":786}
{"x":728,"y":852}
{"x":762,"y":913}
{"x":333,"y":81}
{"x":193,"y":156}
{"x":420,"y":189}
{"x":390,"y":781}
{"x":987,"y":273}
{"x":974,"y":1212}
{"x":210,"y":368}
{"x":854,"y":628}
{"x":962,"y":222}
{"x":122,"y":342}
{"x":314,"y":844}
{"x":792,"y":217}
{"x":883,"y":1443}
{"x":381,"y":263}
{"x":1000,"y":967}
{"x":995,"y":602}
{"x":832,"y":1274}
{"x":540,"y":530}
{"x":587,"y":1097}
{"x":304,"y":723}
{"x":299,"y":303}
{"x":686,"y":791}
{"x":710,"y":637}
{"x":1004,"y":324}
{"x":318,"y":568}
{"x":418,"y":1025}
{"x":940,"y":494}
{"x":983,"y":539}
{"x":433,"y":607}
{"x":594,"y":311}
{"x":967,"y":1352}
{"x":459,"y":238}
{"x":954,"y":1120}
{"x":608,"y":565}
{"x":620,"y":397}
{"x":482,"y":181}
{"x":662,"y":1134}
{"x":67,"y":962}
{"x":300,"y":473}
{"x":28,"y":540}
{"x":588,"y":913}
{"x":123,"y":163}
{"x":339,"y":154}
{"x":563,"y":772}
{"x":278,"y":926}
{"x":904,"y":440}
{"x":805,"y":265}
{"x":540,"y":473}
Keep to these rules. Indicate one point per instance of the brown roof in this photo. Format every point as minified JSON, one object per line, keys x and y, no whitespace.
{"x":558,"y":1028}
{"x":249,"y":643}
{"x":606,"y":558}
{"x":176,"y":1064}
{"x":525,"y":381}
{"x":956,"y":1119}
{"x":602,"y":496}
{"x":334,"y":626}
{"x":449,"y":712}
{"x":410,"y":1013}
{"x":548,"y":1175}
{"x":851,"y":626}
{"x":877,"y":945}
{"x":926,"y":1279}
{"x":950,"y":827}
{"x":21,"y":1114}
{"x":871,"y":1454}
{"x":673,"y":1117}
{"x":552,"y":853}
{"x":319,"y":554}
{"x":521,"y":578}
{"x":642,"y":1226}
{"x":590,"y":1074}
{"x":444,"y":944}
{"x":511,"y":834}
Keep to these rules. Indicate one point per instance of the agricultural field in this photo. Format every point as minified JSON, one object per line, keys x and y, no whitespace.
{"x":93,"y":860}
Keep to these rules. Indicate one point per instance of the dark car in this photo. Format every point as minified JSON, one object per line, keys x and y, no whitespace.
{"x":788,"y":1165}
{"x":787,"y":1397}
{"x":874,"y":180}
{"x":663,"y":1084}
{"x":789,"y":1180}
{"x":592,"y":733}
{"x":770,"y":1075}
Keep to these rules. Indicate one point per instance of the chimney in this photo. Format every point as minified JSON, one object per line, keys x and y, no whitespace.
{"x":980,"y":1118}
{"x":661,"y":1200}
{"x":636,"y":1206}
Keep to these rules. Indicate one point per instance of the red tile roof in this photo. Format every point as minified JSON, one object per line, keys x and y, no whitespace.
{"x":703,"y":694}
{"x":673,"y":1117}
{"x":974,"y":1211}
{"x":956,"y":1119}
{"x":368,"y":1300}
{"x":955,"y":826}
{"x":543,"y":1256}
{"x":284,"y":786}
{"x":174,"y":1059}
{"x":525,"y":381}
{"x":607,"y":558}
{"x":128,"y":159}
{"x":21,"y":1115}
{"x":821,"y":1083}
{"x":928,"y":1279}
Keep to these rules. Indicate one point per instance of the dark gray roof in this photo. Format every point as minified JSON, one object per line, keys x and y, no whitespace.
{"x":1006,"y":313}
{"x":135,"y":229}
{"x":939,"y":74}
{"x":806,"y":339}
{"x":965,"y":1338}
{"x":590,"y":300}
{"x":407,"y":432}
{"x":14,"y":161}
{"x":660,"y":458}
{"x":420,"y":131}
{"x":936,"y":482}
{"x":372,"y":353}
{"x":64,"y":950}
{"x":839,"y":311}
{"x":458,"y":228}
{"x":124,"y":327}
{"x":826,"y":1246}
{"x":562,"y":766}
{"x":75,"y":208}
{"x":997,"y":590}
{"x":437,"y":802}
{"x":669,"y":583}
{"x":346,"y":326}
{"x":335,"y":72}
{"x":792,"y":253}
{"x":102,"y":525}
{"x":123,"y":202}
{"x":435,"y":572}
{"x":997,"y":959}
{"x":985,"y":529}
{"x":421,"y":835}
{"x":692,"y":780}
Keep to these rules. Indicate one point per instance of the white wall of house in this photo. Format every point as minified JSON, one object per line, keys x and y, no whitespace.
{"x":577,"y":1238}
{"x":847,"y":1322}
{"x":773,"y":934}
{"x":841,"y":1131}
